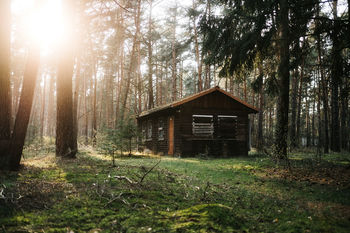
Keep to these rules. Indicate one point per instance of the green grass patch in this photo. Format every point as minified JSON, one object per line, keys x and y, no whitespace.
{"x":245,"y":194}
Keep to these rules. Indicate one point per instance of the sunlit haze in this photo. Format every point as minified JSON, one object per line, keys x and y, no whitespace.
{"x":40,"y":22}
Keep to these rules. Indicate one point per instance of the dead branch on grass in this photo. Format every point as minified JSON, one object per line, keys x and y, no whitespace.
{"x":144,"y":175}
{"x":125,"y":178}
{"x":142,"y":178}
{"x":119,"y":197}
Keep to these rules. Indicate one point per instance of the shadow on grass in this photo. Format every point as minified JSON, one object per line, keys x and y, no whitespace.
{"x":180,"y":195}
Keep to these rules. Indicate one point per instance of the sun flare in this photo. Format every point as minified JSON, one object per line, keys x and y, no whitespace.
{"x":42,"y":22}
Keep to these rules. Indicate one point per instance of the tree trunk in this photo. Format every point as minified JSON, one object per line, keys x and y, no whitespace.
{"x":133,"y":60}
{"x":86,"y":116}
{"x":139,"y":80}
{"x":319,"y":116}
{"x":324,"y":91}
{"x":65,"y":143}
{"x":336,"y":73}
{"x":300,"y":97}
{"x":42,"y":114}
{"x":292,"y":134}
{"x":5,"y":88}
{"x":173,"y":49}
{"x":196,"y":45}
{"x":24,"y":109}
{"x":75,"y":101}
{"x":150,"y":54}
{"x":344,"y":94}
{"x":51,"y":122}
{"x":307,"y":120}
{"x":281,"y":131}
{"x":313,"y":118}
{"x":94,"y":105}
{"x":260,"y":142}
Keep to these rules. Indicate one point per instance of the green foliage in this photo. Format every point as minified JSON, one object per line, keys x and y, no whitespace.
{"x":120,"y":138}
{"x":257,"y":84}
{"x":247,"y":194}
{"x":205,"y":218}
{"x":39,"y":145}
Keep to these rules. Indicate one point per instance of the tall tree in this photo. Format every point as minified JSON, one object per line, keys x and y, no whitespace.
{"x":281,"y":132}
{"x":65,"y":141}
{"x":5,"y":89}
{"x":173,"y":52}
{"x":11,"y":146}
{"x":234,"y":40}
{"x":24,"y":108}
{"x":150,"y":56}
{"x":336,"y":73}
{"x":194,"y":15}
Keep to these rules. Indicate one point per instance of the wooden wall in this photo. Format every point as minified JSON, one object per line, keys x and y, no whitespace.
{"x":215,"y":103}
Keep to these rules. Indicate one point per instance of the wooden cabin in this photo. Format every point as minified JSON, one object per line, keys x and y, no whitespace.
{"x":212,"y":122}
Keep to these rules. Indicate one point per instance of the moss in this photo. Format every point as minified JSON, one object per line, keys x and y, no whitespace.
{"x":180,"y":195}
{"x":205,"y":218}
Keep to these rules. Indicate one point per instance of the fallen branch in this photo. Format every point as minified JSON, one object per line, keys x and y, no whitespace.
{"x":142,"y":178}
{"x":125,"y":178}
{"x":144,"y":175}
{"x":117,"y":198}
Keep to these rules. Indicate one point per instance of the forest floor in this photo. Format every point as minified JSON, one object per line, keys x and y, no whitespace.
{"x":245,"y":194}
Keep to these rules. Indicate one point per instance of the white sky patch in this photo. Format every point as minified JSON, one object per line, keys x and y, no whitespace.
{"x":42,"y":24}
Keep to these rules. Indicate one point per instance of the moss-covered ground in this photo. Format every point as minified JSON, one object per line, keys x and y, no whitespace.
{"x":245,"y":194}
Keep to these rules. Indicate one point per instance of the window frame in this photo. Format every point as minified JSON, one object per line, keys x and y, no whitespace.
{"x":149,"y":130}
{"x":234,"y":126}
{"x":198,"y":128}
{"x":161,"y":129}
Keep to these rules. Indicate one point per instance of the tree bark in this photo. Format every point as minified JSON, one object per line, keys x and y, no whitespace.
{"x":281,"y":131}
{"x":42,"y":114}
{"x":65,"y":143}
{"x":336,"y":73}
{"x":24,"y":109}
{"x":196,"y":46}
{"x":5,"y":89}
{"x":133,"y":60}
{"x":150,"y":54}
{"x":324,"y":91}
{"x":173,"y":49}
{"x":300,"y":98}
{"x":292,"y":134}
{"x":75,"y":101}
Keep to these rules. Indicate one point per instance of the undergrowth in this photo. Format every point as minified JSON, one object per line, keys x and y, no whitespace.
{"x":248,"y":194}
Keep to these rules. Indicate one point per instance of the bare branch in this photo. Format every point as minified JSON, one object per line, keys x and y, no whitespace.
{"x":116,"y":2}
{"x":143,"y":177}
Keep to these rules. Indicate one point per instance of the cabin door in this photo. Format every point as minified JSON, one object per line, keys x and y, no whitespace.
{"x":171,"y":136}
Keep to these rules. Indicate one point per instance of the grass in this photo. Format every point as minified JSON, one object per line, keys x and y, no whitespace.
{"x":246,"y":194}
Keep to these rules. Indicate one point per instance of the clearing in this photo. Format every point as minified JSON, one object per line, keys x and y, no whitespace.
{"x":246,"y":194}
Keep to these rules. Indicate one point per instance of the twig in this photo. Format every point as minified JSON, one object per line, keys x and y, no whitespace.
{"x":125,"y":178}
{"x":117,"y":198}
{"x":144,"y":175}
{"x":205,"y":191}
{"x":116,"y":2}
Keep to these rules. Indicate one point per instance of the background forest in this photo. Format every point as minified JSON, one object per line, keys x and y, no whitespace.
{"x":92,"y":64}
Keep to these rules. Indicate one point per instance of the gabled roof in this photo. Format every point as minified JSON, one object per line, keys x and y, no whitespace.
{"x":195,"y":96}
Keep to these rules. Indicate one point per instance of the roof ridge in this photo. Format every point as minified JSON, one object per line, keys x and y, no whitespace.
{"x":195,"y":96}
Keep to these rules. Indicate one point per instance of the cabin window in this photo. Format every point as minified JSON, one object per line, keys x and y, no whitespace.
{"x":160,"y":129}
{"x":149,"y":130}
{"x":202,"y":125}
{"x":143,"y":131}
{"x":227,"y":126}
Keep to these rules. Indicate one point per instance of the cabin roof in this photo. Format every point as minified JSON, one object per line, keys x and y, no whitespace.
{"x":196,"y":96}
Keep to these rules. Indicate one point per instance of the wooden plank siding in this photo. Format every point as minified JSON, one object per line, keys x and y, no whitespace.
{"x":213,"y":103}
